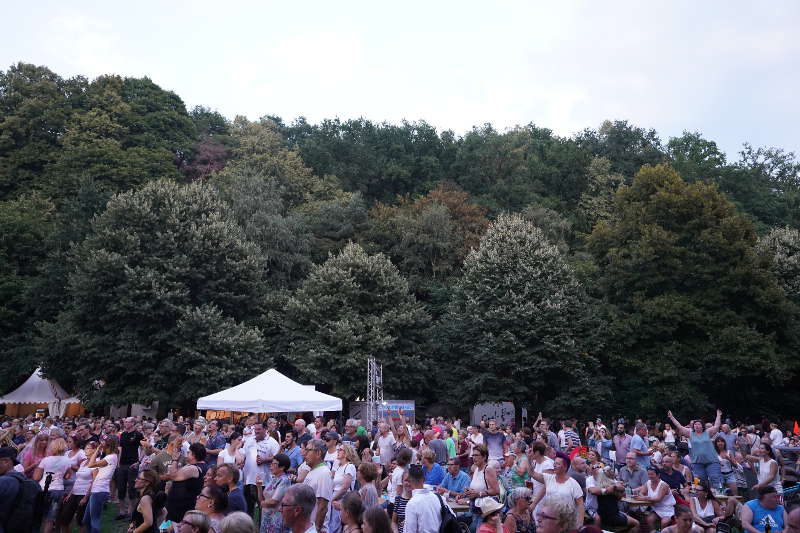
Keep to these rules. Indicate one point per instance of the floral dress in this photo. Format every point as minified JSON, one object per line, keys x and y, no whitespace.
{"x":271,"y":521}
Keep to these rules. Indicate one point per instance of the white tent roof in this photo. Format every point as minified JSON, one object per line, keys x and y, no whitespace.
{"x":270,"y":392}
{"x":37,"y":389}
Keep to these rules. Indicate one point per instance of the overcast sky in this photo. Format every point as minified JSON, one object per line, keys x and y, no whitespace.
{"x":728,"y":69}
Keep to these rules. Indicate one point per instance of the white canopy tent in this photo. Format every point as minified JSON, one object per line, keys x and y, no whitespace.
{"x":270,"y":392}
{"x":37,"y":389}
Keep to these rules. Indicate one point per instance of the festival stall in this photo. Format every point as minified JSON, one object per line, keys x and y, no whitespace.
{"x":270,"y":392}
{"x":40,"y":393}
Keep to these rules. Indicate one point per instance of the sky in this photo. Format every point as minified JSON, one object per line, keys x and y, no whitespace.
{"x":728,"y":69}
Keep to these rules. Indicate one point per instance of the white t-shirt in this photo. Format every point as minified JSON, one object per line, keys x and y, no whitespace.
{"x":267,"y":447}
{"x":474,"y":439}
{"x":395,"y":481}
{"x":591,"y":499}
{"x":83,"y":479}
{"x":547,"y":464}
{"x":386,"y":447}
{"x":338,"y":477}
{"x":570,"y":488}
{"x":669,"y":436}
{"x":330,"y":459}
{"x":776,"y":436}
{"x":104,"y":474}
{"x":58,"y":465}
{"x":321,"y":481}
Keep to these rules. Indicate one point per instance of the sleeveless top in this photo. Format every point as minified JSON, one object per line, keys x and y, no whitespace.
{"x":138,"y":519}
{"x":516,"y":479}
{"x":706,"y":512}
{"x":183,"y":494}
{"x":702,"y":449}
{"x":762,"y":516}
{"x":666,"y":507}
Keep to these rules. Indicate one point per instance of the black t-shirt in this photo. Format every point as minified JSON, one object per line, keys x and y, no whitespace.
{"x":675,"y":480}
{"x":129,"y":442}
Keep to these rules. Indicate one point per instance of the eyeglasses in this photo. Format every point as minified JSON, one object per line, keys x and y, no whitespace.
{"x":201,"y":495}
{"x":543,"y":516}
{"x":284,"y":505}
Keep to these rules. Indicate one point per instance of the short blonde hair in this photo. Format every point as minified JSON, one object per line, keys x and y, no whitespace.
{"x":430,"y":455}
{"x":57,"y":447}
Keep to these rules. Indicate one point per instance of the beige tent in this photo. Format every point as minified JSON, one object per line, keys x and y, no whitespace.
{"x":40,"y":392}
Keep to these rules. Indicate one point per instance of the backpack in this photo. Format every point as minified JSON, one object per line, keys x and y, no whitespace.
{"x":449,"y":523}
{"x":27,"y":509}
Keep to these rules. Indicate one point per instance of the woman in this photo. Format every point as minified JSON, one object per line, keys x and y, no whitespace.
{"x":101,"y":486}
{"x":705,"y":463}
{"x":492,"y":522}
{"x":434,"y":473}
{"x":683,"y":521}
{"x":519,"y":518}
{"x":662,"y":502}
{"x":238,"y":522}
{"x":55,"y":466}
{"x":37,"y":451}
{"x":680,"y":467}
{"x":78,"y":496}
{"x":706,"y":511}
{"x":76,"y":456}
{"x":727,"y":462}
{"x":232,"y":454}
{"x":193,"y":522}
{"x":540,"y":463}
{"x":366,"y":476}
{"x":376,"y":521}
{"x":764,"y":462}
{"x":208,"y":478}
{"x":602,"y":500}
{"x":146,"y":514}
{"x":669,"y":436}
{"x":519,"y":470}
{"x":592,"y":458}
{"x":601,"y":443}
{"x":270,"y":498}
{"x":212,"y":502}
{"x":187,"y":481}
{"x":484,"y":484}
{"x":560,"y":482}
{"x":556,"y":514}
{"x":343,"y":482}
{"x":351,"y":512}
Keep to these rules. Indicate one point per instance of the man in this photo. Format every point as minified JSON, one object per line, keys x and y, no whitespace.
{"x":552,"y":438}
{"x":350,"y":428}
{"x":622,"y":445}
{"x":297,"y":507}
{"x":775,"y":435}
{"x":258,"y":454}
{"x":756,"y":514}
{"x":302,"y":435}
{"x":332,"y":442}
{"x":455,"y":481}
{"x":127,"y":470}
{"x":474,"y":438}
{"x":423,"y":510}
{"x":320,"y":480}
{"x":437,"y":446}
{"x":633,"y":476}
{"x":386,"y":442}
{"x":571,"y":438}
{"x":639,"y":446}
{"x":578,"y":472}
{"x":10,"y":483}
{"x":228,"y":478}
{"x":495,"y":441}
{"x":272,"y":429}
{"x":292,"y":450}
{"x":448,"y":425}
{"x":729,"y":437}
{"x":669,"y":475}
{"x":450,"y":442}
{"x":164,"y":431}
{"x":215,"y":442}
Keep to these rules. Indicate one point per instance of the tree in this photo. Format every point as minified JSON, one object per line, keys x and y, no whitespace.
{"x":164,"y":286}
{"x":352,"y":307}
{"x":597,"y":201}
{"x":25,"y":225}
{"x":517,"y":324}
{"x":627,"y":147}
{"x":781,"y":247}
{"x":695,"y":158}
{"x":700,"y":322}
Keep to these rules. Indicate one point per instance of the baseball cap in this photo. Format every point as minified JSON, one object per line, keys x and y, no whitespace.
{"x":332,"y":435}
{"x":7,"y":452}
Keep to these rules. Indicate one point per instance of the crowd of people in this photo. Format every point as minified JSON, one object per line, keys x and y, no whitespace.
{"x":396,"y":475}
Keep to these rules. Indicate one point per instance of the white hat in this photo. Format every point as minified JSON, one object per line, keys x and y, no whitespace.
{"x":490,"y":505}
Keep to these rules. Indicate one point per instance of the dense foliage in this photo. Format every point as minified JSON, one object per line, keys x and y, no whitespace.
{"x":163,"y":253}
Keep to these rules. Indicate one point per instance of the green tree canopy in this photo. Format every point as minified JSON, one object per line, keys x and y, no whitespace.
{"x":164,"y":286}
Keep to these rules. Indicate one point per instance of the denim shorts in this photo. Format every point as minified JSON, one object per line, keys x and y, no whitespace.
{"x":729,"y":477}
{"x":54,"y":500}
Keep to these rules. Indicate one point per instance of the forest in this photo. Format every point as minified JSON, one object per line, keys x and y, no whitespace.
{"x":150,"y":252}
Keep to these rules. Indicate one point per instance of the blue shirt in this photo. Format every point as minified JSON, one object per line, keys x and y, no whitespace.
{"x":10,"y":484}
{"x":455,"y":483}
{"x":236,"y":501}
{"x":761,"y":515}
{"x":638,"y":443}
{"x":294,"y":456}
{"x":435,"y":475}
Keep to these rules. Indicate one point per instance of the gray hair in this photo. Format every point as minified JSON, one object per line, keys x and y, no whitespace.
{"x":319,"y":445}
{"x":520,"y":446}
{"x":351,"y":422}
{"x":198,"y":520}
{"x":517,"y":494}
{"x":237,"y":522}
{"x":303,"y":496}
{"x":564,"y":509}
